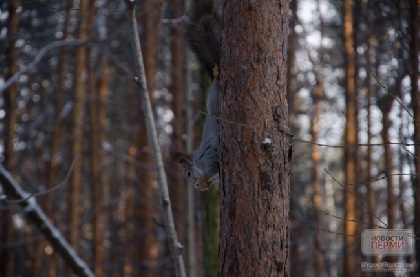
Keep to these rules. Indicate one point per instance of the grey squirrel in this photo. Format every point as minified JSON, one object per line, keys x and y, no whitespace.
{"x":202,"y":31}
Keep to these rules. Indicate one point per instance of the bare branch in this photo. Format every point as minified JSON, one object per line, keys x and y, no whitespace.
{"x":168,"y":220}
{"x":38,"y":58}
{"x":34,"y":212}
{"x":57,"y":187}
{"x":358,"y":200}
{"x":391,"y":94}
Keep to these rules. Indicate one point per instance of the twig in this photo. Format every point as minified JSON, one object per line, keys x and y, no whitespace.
{"x":167,"y":217}
{"x":57,"y":187}
{"x":392,"y":95}
{"x":361,"y":202}
{"x":41,"y":221}
{"x":38,"y":57}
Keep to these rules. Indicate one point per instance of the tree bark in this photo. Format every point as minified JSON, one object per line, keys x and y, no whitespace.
{"x":147,"y":254}
{"x":7,"y":257}
{"x":74,"y":201}
{"x":415,"y":98}
{"x":317,"y":188}
{"x":350,"y":139}
{"x":96,"y":61}
{"x":52,"y":167}
{"x":255,"y":140}
{"x":181,"y":193}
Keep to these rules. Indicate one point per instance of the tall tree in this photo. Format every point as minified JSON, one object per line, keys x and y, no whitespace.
{"x":369,"y":91}
{"x":97,"y":68}
{"x":74,"y":198}
{"x":53,"y":163}
{"x":317,"y":187}
{"x":146,"y":192}
{"x":255,"y":140}
{"x":7,"y":256}
{"x":350,"y":139}
{"x":415,"y":98}
{"x":181,"y":193}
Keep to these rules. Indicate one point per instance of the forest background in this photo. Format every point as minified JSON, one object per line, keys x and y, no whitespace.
{"x":72,"y":134}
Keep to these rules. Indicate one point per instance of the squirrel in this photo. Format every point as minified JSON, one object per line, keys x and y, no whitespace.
{"x":203,"y":33}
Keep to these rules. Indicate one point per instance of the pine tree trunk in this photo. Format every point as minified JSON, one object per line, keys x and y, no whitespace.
{"x":255,"y":140}
{"x":74,"y":200}
{"x":147,"y":254}
{"x":350,"y":138}
{"x":317,"y":189}
{"x":96,"y":93}
{"x":7,"y":256}
{"x":415,"y":98}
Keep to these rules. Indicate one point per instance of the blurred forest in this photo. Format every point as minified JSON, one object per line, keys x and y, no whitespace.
{"x":72,"y":134}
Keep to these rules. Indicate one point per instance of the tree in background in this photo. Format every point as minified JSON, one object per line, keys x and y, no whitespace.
{"x":350,"y":139}
{"x":7,"y":257}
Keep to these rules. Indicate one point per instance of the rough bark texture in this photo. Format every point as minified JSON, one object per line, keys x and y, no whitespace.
{"x":255,"y":143}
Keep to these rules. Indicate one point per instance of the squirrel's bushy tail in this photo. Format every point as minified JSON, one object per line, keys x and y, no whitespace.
{"x":202,"y":32}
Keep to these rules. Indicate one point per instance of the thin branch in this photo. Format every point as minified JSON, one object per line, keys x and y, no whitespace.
{"x":391,"y":94}
{"x":361,"y":202}
{"x":404,"y":144}
{"x":308,"y":141}
{"x":34,"y":212}
{"x":167,"y":216}
{"x":38,"y":58}
{"x":354,"y":145}
{"x":57,"y":187}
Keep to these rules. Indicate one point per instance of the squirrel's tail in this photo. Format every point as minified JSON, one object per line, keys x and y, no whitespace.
{"x":203,"y":34}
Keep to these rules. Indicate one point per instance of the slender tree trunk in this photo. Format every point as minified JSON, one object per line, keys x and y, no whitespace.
{"x":94,"y":63}
{"x":389,"y":157}
{"x":317,"y":189}
{"x":255,"y":140}
{"x":74,"y":200}
{"x":52,"y":166}
{"x":7,"y":256}
{"x":291,"y":49}
{"x":369,"y":87}
{"x":129,"y":191}
{"x":350,"y":138}
{"x":291,"y":100}
{"x":415,"y":98}
{"x":181,"y":195}
{"x":147,"y":253}
{"x":101,"y":189}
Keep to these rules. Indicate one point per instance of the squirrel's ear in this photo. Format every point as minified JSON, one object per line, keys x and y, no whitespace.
{"x":181,"y":158}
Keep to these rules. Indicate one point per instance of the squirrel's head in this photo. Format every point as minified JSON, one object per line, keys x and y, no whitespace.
{"x":194,"y":175}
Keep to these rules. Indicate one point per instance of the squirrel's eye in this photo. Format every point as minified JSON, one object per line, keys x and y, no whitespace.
{"x":188,"y":174}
